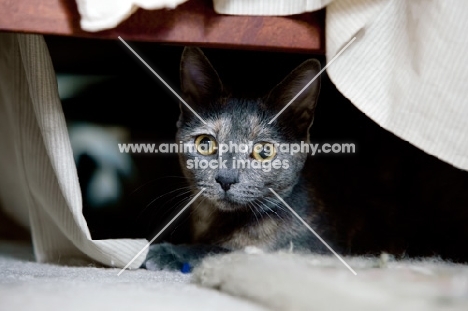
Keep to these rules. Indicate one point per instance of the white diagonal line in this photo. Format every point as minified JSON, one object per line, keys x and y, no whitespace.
{"x":162,"y":230}
{"x":164,"y":82}
{"x":312,"y":230}
{"x":311,"y":81}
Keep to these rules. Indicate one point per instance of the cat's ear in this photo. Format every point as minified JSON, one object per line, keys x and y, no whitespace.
{"x":200,"y":83}
{"x":301,"y":110}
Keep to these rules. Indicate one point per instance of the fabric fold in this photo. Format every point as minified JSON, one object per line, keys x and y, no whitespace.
{"x":406,"y":70}
{"x":268,"y":7}
{"x":39,"y":177}
{"x":105,"y":14}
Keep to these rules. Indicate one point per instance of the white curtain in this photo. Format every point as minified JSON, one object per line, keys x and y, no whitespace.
{"x":407,"y":69}
{"x":38,"y":179}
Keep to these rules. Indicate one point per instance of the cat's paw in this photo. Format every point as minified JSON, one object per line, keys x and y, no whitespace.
{"x":164,"y":256}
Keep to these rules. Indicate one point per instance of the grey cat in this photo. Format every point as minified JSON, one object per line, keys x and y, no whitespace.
{"x":237,"y":209}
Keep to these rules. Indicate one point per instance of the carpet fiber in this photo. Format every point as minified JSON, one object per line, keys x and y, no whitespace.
{"x":247,"y":281}
{"x":27,"y":285}
{"x":311,"y":282}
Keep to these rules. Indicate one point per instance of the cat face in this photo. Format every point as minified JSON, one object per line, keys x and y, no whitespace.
{"x":236,"y":156}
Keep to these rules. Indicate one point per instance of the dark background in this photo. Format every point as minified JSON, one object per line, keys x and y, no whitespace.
{"x":136,"y":100}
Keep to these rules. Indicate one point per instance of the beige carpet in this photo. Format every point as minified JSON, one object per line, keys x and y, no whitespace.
{"x":241,"y":281}
{"x":311,"y":282}
{"x":28,"y":285}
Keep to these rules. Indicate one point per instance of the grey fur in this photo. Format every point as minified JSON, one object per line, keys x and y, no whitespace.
{"x":248,"y":213}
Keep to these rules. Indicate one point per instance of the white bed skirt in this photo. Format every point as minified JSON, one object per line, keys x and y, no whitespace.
{"x":38,"y":179}
{"x":407,"y":69}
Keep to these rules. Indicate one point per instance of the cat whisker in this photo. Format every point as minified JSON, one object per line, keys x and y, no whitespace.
{"x":152,"y":181}
{"x":276,"y":204}
{"x":159,"y":197}
{"x":264,"y":204}
{"x":193,"y":209}
{"x":167,"y":193}
{"x":252,"y":208}
{"x":198,"y":205}
{"x":182,"y":202}
{"x":260,"y":206}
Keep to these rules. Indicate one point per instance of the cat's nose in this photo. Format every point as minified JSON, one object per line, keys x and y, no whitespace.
{"x":226,"y":181}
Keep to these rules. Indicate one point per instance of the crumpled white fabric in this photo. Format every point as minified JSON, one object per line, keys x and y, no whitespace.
{"x":38,"y":179}
{"x":268,"y":7}
{"x":98,"y":15}
{"x":407,"y":70}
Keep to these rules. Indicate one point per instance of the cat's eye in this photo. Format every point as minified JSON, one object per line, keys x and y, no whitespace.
{"x":206,"y":144}
{"x":263,"y":151}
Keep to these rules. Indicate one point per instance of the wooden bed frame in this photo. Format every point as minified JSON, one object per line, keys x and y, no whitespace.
{"x":192,"y":23}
